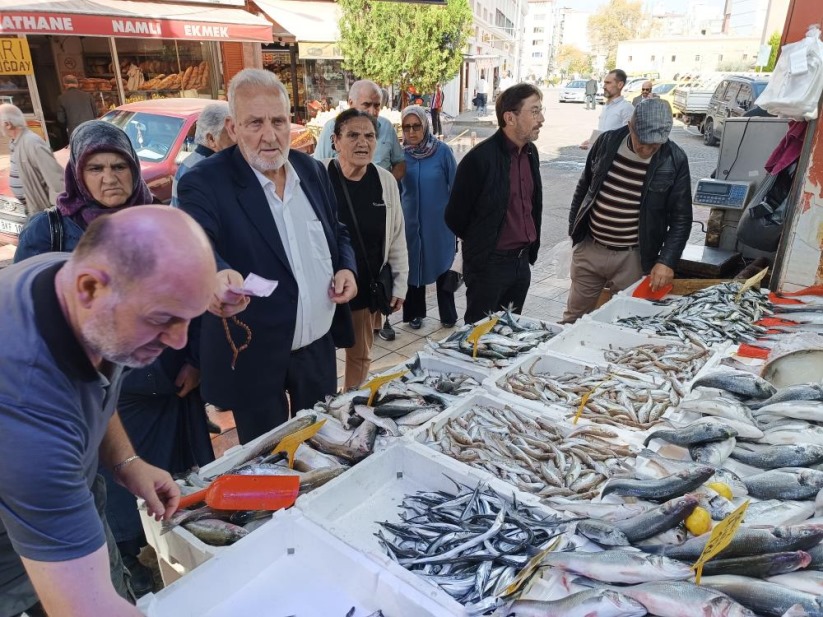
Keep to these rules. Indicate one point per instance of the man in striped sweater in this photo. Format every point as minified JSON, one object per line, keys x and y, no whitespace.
{"x":632,"y":210}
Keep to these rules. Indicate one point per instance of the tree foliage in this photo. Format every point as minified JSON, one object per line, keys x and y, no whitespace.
{"x":391,"y":42}
{"x":571,"y":59}
{"x":774,"y":43}
{"x":619,"y":20}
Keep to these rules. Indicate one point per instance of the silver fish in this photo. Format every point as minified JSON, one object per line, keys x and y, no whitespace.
{"x":588,"y":603}
{"x":707,"y":429}
{"x":738,"y":382}
{"x":658,"y":520}
{"x":620,"y":566}
{"x":798,"y":392}
{"x":787,"y":483}
{"x":772,"y":457}
{"x":216,"y":532}
{"x":762,"y":597}
{"x":662,"y":489}
{"x":758,"y":566}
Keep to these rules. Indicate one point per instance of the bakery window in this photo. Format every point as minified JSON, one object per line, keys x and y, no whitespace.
{"x":15,"y":90}
{"x":160,"y":68}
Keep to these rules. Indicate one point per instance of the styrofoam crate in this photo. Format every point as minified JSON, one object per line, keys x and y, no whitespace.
{"x":292,"y":567}
{"x":178,"y":550}
{"x":620,"y":306}
{"x":351,"y":506}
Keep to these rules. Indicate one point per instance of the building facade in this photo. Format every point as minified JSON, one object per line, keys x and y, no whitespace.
{"x":571,"y":27}
{"x":536,"y":48}
{"x":677,"y":55}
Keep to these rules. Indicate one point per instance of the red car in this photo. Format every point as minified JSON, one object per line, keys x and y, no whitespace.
{"x":162,"y":132}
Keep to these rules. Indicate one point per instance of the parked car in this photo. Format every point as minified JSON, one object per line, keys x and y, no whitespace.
{"x":632,"y":87}
{"x":573,"y":92}
{"x":162,"y":132}
{"x":665,"y":91}
{"x":732,"y":98}
{"x":691,"y":98}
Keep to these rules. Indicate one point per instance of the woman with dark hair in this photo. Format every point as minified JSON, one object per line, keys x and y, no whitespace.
{"x":368,"y":203}
{"x":159,"y":405}
{"x":430,"y":169}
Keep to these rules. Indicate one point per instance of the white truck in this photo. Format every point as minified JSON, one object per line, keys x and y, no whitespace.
{"x":691,"y":100}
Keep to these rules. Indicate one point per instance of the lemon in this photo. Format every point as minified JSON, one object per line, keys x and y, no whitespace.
{"x":721,"y":489}
{"x":699,"y":522}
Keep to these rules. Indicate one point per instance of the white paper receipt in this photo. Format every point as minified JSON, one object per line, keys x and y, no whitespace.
{"x":257,"y":286}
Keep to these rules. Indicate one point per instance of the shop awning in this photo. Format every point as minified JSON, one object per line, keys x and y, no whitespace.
{"x":125,"y":18}
{"x":305,"y":22}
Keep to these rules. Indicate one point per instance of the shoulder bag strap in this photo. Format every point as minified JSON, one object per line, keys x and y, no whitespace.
{"x":55,"y":229}
{"x":342,"y":180}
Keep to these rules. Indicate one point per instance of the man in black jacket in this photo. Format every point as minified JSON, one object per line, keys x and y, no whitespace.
{"x":496,"y":205}
{"x":632,"y":210}
{"x":74,"y":106}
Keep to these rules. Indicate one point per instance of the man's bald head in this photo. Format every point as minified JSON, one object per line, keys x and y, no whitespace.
{"x":366,"y":96}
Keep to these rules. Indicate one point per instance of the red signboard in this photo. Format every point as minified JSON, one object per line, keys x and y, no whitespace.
{"x":25,"y":22}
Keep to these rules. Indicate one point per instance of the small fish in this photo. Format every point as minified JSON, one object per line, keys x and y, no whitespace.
{"x":215,"y":532}
{"x":602,"y":533}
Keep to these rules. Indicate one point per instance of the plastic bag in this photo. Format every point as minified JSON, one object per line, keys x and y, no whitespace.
{"x":797,"y":81}
{"x":560,"y":256}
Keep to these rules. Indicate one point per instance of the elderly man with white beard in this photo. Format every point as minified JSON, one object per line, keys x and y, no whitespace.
{"x":271,"y":212}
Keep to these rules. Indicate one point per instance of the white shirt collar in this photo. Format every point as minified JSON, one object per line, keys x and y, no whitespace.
{"x":292,"y":179}
{"x":616,"y":99}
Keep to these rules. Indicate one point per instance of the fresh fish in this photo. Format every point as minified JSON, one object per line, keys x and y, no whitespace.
{"x":701,"y":431}
{"x":608,"y":512}
{"x":762,"y":597}
{"x":713,"y":453}
{"x":759,"y":566}
{"x":807,"y":581}
{"x":658,"y":520}
{"x":682,"y":599}
{"x":788,"y":483}
{"x":182,"y":517}
{"x":602,"y":533}
{"x":652,"y":465}
{"x":798,"y":392}
{"x":750,"y":541}
{"x":718,"y":506}
{"x":416,"y":418}
{"x":743,"y":383}
{"x":318,"y":477}
{"x":772,"y":457}
{"x":674,"y":536}
{"x":704,"y":401}
{"x":662,"y":489}
{"x":620,"y":566}
{"x":775,"y":512}
{"x":355,"y":449}
{"x":799,"y":410}
{"x":215,"y":532}
{"x":792,"y":432}
{"x":383,"y":422}
{"x":588,"y":603}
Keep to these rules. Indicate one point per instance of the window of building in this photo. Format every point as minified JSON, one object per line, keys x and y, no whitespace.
{"x":537,"y":54}
{"x":630,"y":58}
{"x":745,"y":56}
{"x":538,"y":30}
{"x":674,"y":58}
{"x":697,"y":58}
{"x":537,"y":42}
{"x":720,"y":57}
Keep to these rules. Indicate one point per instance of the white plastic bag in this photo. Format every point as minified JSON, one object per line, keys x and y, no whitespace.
{"x":560,"y":256}
{"x":797,"y":82}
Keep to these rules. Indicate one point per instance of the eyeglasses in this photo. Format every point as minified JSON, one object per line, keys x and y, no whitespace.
{"x":536,"y":112}
{"x":645,"y":89}
{"x":412,"y":128}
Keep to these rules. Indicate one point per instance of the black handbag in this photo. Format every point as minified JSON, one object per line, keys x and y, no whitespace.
{"x":380,"y":288}
{"x":56,"y":234}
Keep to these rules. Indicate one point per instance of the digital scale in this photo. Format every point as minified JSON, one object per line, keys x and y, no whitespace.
{"x":725,"y":194}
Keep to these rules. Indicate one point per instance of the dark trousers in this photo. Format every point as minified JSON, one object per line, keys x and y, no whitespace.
{"x":481,"y":102}
{"x":310,"y":376}
{"x":436,"y":128}
{"x":503,"y":281}
{"x":415,"y":303}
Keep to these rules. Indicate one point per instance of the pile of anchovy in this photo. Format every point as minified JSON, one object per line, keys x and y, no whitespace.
{"x":509,"y":338}
{"x":712,"y":315}
{"x":472,"y":544}
{"x":618,"y":394}
{"x":531,"y":452}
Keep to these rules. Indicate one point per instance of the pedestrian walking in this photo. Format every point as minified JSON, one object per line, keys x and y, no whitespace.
{"x":496,"y":206}
{"x":438,"y":98}
{"x":74,"y":106}
{"x":271,"y":211}
{"x":35,"y":176}
{"x":591,"y":93}
{"x":617,"y":111}
{"x":425,"y":189}
{"x":482,"y":95}
{"x":631,"y":213}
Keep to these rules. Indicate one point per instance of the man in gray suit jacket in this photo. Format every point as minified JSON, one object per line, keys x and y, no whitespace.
{"x":74,"y":106}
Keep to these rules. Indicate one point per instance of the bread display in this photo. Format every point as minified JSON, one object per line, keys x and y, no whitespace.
{"x":193,"y":77}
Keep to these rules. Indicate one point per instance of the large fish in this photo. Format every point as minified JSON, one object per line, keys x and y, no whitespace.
{"x":773,"y":457}
{"x":707,"y":429}
{"x":658,"y":520}
{"x":797,"y":392}
{"x":759,"y":566}
{"x":762,"y":597}
{"x":743,"y":383}
{"x":775,"y":512}
{"x":799,"y":410}
{"x":588,"y":603}
{"x":789,"y":483}
{"x":619,"y":566}
{"x":662,"y":489}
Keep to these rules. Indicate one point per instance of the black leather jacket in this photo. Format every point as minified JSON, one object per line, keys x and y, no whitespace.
{"x":479,"y":199}
{"x":665,"y":204}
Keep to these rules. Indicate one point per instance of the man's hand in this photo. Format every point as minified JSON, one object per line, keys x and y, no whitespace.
{"x":187,"y":380}
{"x":226,"y":302}
{"x":344,"y":287}
{"x":154,"y":485}
{"x":396,"y":304}
{"x":660,"y":276}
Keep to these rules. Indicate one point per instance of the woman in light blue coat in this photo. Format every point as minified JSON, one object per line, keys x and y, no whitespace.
{"x":424,"y":190}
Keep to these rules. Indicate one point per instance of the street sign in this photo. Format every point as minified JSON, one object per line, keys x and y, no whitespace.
{"x":15,"y":57}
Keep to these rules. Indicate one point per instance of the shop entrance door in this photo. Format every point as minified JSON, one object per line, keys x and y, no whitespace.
{"x":48,"y":86}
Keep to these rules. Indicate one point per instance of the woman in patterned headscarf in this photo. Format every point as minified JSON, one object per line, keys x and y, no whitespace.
{"x":430,"y":169}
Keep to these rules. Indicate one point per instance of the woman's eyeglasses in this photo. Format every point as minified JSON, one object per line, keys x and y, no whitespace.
{"x":412,"y":128}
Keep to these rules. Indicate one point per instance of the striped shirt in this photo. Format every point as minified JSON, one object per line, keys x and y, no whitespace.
{"x":15,"y":181}
{"x":615,"y":216}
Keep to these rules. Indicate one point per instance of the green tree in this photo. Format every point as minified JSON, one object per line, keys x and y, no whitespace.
{"x":571,"y":59}
{"x":390,"y":42}
{"x":619,"y":20}
{"x":774,"y":43}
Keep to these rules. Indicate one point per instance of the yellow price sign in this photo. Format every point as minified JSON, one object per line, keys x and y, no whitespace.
{"x":751,"y":282}
{"x":374,"y":384}
{"x":528,"y":570}
{"x":484,"y":328}
{"x":15,"y":57}
{"x":290,"y":443}
{"x":585,"y":399}
{"x":722,"y":534}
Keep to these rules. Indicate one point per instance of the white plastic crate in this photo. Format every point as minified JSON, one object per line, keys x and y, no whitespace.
{"x":291,"y":567}
{"x":621,"y":306}
{"x":351,"y":506}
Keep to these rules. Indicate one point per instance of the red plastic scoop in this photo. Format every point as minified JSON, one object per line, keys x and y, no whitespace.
{"x":247,"y":493}
{"x":644,"y":290}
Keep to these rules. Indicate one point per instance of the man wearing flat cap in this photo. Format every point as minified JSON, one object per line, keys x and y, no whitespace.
{"x":74,"y":106}
{"x":631,"y":213}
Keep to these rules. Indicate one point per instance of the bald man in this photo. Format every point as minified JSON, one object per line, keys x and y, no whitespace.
{"x":645,"y":93}
{"x":71,"y":324}
{"x":367,"y":96}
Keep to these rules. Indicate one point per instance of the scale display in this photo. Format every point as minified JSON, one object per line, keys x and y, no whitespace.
{"x":721,"y":194}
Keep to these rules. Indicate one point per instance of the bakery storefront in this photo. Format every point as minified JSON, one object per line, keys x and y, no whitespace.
{"x":123,"y":51}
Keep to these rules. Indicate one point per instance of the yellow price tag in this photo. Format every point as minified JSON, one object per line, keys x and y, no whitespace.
{"x":751,"y":282}
{"x":484,"y":328}
{"x":528,"y":570}
{"x":374,"y":384}
{"x":722,"y":534}
{"x":290,"y":443}
{"x":585,"y":399}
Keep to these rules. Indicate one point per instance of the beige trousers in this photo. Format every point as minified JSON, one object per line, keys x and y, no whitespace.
{"x":595,"y":267}
{"x":358,"y":358}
